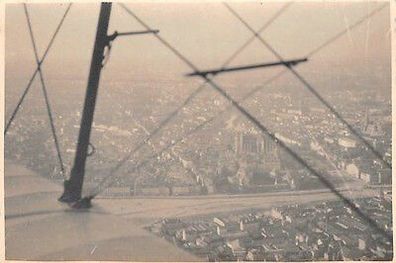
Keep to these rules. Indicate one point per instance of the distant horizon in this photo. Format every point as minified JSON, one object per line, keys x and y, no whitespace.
{"x":278,"y":163}
{"x":207,"y":33}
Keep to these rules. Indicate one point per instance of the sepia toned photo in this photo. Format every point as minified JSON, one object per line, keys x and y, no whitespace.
{"x":186,"y":131}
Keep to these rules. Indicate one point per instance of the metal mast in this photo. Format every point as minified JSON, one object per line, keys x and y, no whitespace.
{"x":73,"y":186}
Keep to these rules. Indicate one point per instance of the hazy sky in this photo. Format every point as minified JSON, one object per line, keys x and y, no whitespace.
{"x":207,"y":33}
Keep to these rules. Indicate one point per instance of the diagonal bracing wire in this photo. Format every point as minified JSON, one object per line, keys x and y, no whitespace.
{"x":314,"y":51}
{"x":158,"y":153}
{"x":317,"y":49}
{"x":155,"y":150}
{"x":265,"y":131}
{"x":98,"y":189}
{"x":311,"y":88}
{"x":44,"y":89}
{"x":311,"y":53}
{"x":188,"y":100}
{"x":14,"y":113}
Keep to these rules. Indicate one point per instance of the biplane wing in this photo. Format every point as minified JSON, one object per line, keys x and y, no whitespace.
{"x":38,"y":227}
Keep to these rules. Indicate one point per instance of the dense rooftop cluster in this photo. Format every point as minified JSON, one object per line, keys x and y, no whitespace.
{"x":322,"y":231}
{"x":209,"y":161}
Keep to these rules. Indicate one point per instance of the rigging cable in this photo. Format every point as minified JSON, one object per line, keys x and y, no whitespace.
{"x":263,"y":129}
{"x":14,"y":113}
{"x":190,"y":98}
{"x":155,"y":150}
{"x":310,"y":53}
{"x":45,"y":94}
{"x":311,"y":89}
{"x":98,"y":189}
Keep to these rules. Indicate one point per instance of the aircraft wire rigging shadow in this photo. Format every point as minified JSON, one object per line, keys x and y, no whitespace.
{"x":102,"y":47}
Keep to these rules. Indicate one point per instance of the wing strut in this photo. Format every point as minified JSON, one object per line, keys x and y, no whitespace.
{"x":73,"y":186}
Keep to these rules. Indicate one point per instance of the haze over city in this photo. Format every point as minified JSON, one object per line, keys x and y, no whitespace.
{"x":268,"y":203}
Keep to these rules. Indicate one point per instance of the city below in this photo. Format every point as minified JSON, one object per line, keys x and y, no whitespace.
{"x":227,"y":192}
{"x":321,"y":231}
{"x":227,"y":156}
{"x":160,"y":131}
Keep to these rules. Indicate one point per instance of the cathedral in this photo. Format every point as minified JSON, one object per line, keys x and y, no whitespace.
{"x":257,"y":155}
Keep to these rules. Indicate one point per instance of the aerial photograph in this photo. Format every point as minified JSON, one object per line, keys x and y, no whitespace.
{"x":186,"y":131}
